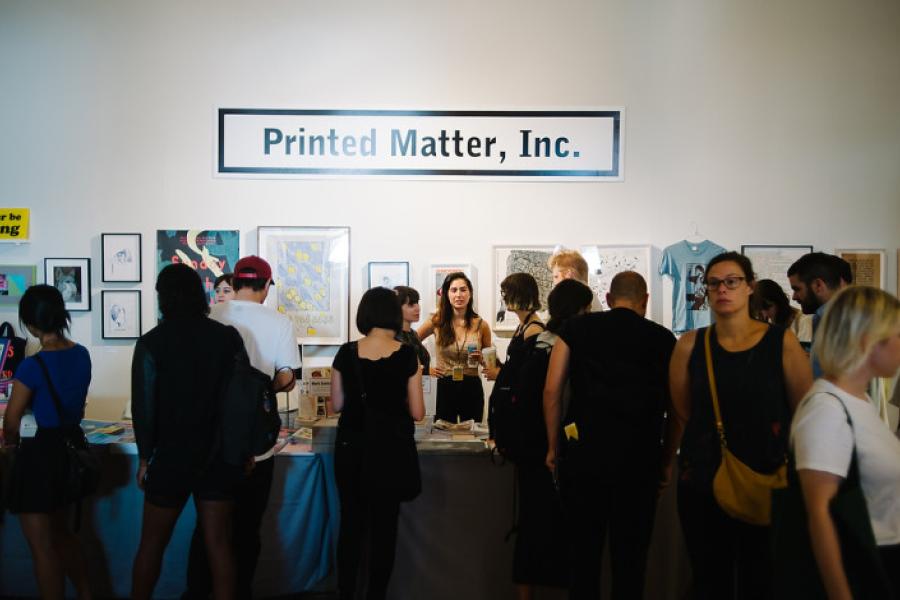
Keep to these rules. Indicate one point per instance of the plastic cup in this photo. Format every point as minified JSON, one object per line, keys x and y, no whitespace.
{"x":490,"y":357}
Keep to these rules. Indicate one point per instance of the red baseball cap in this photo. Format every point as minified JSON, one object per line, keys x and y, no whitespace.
{"x":253,"y":267}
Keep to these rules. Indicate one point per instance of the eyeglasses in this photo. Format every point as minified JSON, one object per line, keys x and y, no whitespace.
{"x":730,"y":282}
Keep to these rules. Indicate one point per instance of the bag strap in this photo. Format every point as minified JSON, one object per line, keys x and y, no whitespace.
{"x":53,"y":393}
{"x":853,"y":471}
{"x":720,"y":427}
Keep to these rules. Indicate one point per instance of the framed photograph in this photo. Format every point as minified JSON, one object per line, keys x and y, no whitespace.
{"x":72,"y":277}
{"x":772,"y":262}
{"x":311,"y":269}
{"x":520,"y":259}
{"x":388,"y":274}
{"x":869,"y":267}
{"x":436,"y":276}
{"x":14,"y":280}
{"x":604,"y":262}
{"x":121,"y":314}
{"x":121,"y":253}
{"x":210,"y":252}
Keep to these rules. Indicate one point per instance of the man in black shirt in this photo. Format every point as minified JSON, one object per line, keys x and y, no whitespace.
{"x":617,"y":365}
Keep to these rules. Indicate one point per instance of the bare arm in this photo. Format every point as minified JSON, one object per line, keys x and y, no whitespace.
{"x":557,"y":374}
{"x":798,"y":376}
{"x":414,"y":398}
{"x":285,"y":380}
{"x":679,"y":410}
{"x":485,"y":334}
{"x":819,"y":488}
{"x":21,"y":398}
{"x":337,"y":391}
{"x":426,"y":329}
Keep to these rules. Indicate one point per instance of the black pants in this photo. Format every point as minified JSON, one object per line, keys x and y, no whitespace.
{"x":729,"y":558}
{"x":463,"y":399}
{"x":626,"y":510}
{"x":540,"y":556}
{"x":890,"y":558}
{"x":250,"y":502}
{"x":368,"y":531}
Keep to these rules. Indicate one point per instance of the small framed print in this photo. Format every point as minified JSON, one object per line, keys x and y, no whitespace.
{"x":121,"y":314}
{"x":14,"y":280}
{"x":72,"y":277}
{"x":869,"y":267}
{"x":121,"y":254}
{"x":388,"y":274}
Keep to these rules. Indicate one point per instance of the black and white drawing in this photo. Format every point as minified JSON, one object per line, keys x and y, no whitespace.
{"x":121,"y":314}
{"x":121,"y":254}
{"x":520,"y":259}
{"x":72,"y":277}
{"x":388,"y":274}
{"x":604,"y":262}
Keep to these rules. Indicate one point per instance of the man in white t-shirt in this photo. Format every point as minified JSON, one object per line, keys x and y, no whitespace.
{"x":272,"y":347}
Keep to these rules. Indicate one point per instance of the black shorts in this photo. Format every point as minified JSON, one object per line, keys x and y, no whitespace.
{"x":463,"y":399}
{"x":37,"y":483}
{"x":169,"y":486}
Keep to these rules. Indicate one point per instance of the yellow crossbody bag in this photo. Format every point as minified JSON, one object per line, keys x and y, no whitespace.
{"x":742,"y":493}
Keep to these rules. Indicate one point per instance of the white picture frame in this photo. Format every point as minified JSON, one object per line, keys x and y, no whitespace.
{"x":605,"y":261}
{"x":121,"y":314}
{"x":121,"y":255}
{"x":868,"y":265}
{"x":772,"y":262}
{"x":388,"y":274}
{"x":72,"y":277}
{"x":533,"y":260}
{"x":311,"y":270}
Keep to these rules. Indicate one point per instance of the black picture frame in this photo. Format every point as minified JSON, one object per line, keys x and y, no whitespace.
{"x":121,"y":257}
{"x":72,"y":277}
{"x":121,"y":314}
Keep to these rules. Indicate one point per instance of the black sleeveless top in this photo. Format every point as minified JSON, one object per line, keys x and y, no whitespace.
{"x":753,"y":400}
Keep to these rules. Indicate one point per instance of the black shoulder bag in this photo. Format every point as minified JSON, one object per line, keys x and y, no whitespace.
{"x":390,"y":461}
{"x":796,"y":573}
{"x":82,"y":467}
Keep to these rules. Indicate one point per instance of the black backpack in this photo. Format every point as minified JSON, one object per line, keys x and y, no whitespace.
{"x":516,"y":416}
{"x":250,"y":420}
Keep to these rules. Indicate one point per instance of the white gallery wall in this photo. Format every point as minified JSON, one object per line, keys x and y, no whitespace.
{"x":763,"y":122}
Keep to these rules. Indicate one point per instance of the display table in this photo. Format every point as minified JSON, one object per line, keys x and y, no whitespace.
{"x":450,"y":544}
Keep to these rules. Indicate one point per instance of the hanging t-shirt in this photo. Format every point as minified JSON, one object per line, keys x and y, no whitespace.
{"x":685,"y":263}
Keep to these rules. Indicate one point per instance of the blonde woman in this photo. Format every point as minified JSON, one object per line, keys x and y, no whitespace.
{"x":858,"y":339}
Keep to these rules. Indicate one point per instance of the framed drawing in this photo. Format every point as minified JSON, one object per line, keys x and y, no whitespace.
{"x":14,"y":280}
{"x":72,"y":277}
{"x":311,"y":269}
{"x":869,"y":267}
{"x":121,"y":254}
{"x":121,"y":314}
{"x":388,"y":274}
{"x":436,"y":276}
{"x":210,"y":252}
{"x":604,"y":262}
{"x":772,"y":262}
{"x":520,"y":259}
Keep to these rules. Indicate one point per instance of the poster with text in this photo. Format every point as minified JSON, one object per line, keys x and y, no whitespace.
{"x":210,"y":252}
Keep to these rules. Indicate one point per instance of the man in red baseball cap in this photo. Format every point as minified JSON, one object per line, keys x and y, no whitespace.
{"x":272,"y":347}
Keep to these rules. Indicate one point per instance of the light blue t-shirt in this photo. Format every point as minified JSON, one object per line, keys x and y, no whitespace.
{"x":686,"y":263}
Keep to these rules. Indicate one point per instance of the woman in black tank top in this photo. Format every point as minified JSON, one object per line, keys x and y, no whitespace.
{"x":761,"y":374}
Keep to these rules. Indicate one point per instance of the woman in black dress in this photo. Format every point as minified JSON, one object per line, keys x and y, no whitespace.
{"x":374,"y":379}
{"x":761,"y":374}
{"x":409,"y":306}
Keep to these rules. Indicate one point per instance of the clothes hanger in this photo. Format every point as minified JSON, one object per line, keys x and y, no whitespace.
{"x":695,"y":238}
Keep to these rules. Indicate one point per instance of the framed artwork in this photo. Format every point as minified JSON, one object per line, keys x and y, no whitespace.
{"x":121,"y":254}
{"x":121,"y":314}
{"x":772,"y":262}
{"x":72,"y":277}
{"x":311,"y":269}
{"x":604,"y":262}
{"x":869,"y":267}
{"x":14,"y":280}
{"x":436,"y":276}
{"x":898,"y":272}
{"x":388,"y":274}
{"x":520,"y":259}
{"x":210,"y":252}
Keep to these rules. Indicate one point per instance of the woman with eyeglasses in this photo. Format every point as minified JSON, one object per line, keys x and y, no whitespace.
{"x":761,"y":373}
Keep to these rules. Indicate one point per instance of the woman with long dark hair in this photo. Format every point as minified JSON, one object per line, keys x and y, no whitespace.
{"x":178,"y":377}
{"x":459,"y":336}
{"x":770,"y":304}
{"x":38,"y":486}
{"x":409,"y":306}
{"x":761,"y":373}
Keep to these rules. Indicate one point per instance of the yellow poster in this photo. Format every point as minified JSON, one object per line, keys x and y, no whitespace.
{"x":14,"y":224}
